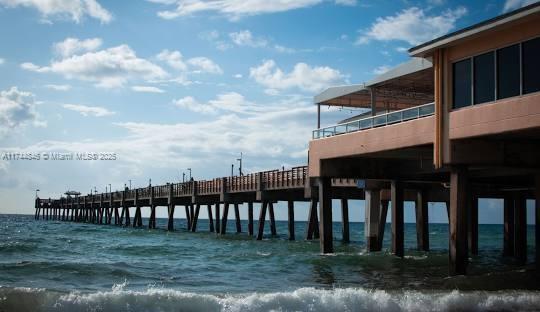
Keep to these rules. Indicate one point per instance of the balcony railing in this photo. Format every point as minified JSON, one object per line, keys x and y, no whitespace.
{"x":376,"y":121}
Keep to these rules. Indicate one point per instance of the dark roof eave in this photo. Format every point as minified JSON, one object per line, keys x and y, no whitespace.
{"x":424,"y":48}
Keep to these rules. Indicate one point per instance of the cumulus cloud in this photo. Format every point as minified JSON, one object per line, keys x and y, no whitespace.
{"x":2,"y":61}
{"x":235,"y":9}
{"x":58,"y":87}
{"x":193,"y":105}
{"x":202,"y":142}
{"x":147,"y":89}
{"x":199,"y":64}
{"x":303,"y":76}
{"x":71,"y":46}
{"x":107,"y":68}
{"x":205,"y":65}
{"x":412,"y":25}
{"x":245,"y":38}
{"x":173,"y":59}
{"x":74,"y":9}
{"x":84,"y":110}
{"x":17,"y":108}
{"x":510,"y":5}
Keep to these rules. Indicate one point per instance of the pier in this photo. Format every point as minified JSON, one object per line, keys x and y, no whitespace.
{"x":458,"y":122}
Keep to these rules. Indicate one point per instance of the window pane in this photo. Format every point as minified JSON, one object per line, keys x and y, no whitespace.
{"x":462,"y":83}
{"x":531,"y":66}
{"x":508,"y":72}
{"x":484,"y":78}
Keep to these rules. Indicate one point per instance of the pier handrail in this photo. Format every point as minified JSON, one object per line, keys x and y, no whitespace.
{"x":376,"y":121}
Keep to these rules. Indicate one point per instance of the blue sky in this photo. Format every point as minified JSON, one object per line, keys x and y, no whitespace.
{"x":174,"y":84}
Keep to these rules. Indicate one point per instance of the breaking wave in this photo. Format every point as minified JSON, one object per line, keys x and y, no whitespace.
{"x":303,"y":299}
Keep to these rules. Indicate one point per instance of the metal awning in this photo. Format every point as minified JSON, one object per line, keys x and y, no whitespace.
{"x":406,"y":85}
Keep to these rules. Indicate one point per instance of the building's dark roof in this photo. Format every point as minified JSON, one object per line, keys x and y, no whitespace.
{"x":476,"y":27}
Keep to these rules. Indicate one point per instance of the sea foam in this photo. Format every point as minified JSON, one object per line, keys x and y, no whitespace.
{"x":303,"y":299}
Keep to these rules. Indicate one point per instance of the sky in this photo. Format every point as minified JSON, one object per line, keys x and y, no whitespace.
{"x":167,"y":85}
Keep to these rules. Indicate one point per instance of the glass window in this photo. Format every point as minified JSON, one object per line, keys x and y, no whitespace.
{"x":484,"y":78}
{"x":461,"y":83}
{"x":531,"y":65}
{"x":508,"y":72}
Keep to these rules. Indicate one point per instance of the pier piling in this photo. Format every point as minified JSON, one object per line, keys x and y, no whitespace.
{"x":397,"y":218}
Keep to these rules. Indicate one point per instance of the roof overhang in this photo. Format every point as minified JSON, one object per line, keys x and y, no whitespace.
{"x":406,"y":85}
{"x":470,"y":32}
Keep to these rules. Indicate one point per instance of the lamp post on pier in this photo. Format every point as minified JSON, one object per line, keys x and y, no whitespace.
{"x":240,"y":168}
{"x":37,"y":190}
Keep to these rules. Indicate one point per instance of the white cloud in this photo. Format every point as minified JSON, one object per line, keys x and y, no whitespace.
{"x":381,"y":69}
{"x":235,"y":9}
{"x":173,"y":59}
{"x":303,"y":76}
{"x":412,"y":25}
{"x":402,"y":49}
{"x":245,"y":38}
{"x":2,"y":61}
{"x":75,"y":9}
{"x":71,"y":46}
{"x":108,"y":68}
{"x":191,"y":104}
{"x":84,"y":110}
{"x":238,"y":76}
{"x":58,"y":87}
{"x":147,"y":89}
{"x":282,"y":49}
{"x":205,"y":65}
{"x":510,"y":5}
{"x":17,"y":108}
{"x":199,"y":64}
{"x":214,"y":37}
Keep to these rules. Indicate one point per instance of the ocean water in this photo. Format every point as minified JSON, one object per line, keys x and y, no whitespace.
{"x":66,"y":266}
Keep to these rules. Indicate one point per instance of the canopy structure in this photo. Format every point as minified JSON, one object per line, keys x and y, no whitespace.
{"x":407,"y":85}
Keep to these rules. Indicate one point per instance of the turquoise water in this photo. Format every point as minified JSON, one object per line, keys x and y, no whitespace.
{"x":66,"y":266}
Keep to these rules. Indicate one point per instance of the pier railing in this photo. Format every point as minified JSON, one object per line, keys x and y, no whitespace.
{"x":294,"y":178}
{"x":376,"y":121}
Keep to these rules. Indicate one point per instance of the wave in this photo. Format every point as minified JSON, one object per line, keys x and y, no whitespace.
{"x":303,"y":299}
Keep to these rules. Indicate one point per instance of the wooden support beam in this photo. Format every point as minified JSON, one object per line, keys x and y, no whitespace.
{"x":188,"y":218}
{"x":191,"y":215}
{"x":121,"y":220}
{"x":422,"y":224}
{"x":152,"y":221}
{"x":382,"y":223}
{"x":195,"y":218}
{"x":372,"y":205}
{"x":210,"y":218}
{"x":218,"y":223}
{"x":250,"y":218}
{"x":224,"y":219}
{"x":345,"y":237}
{"x":272,"y":219}
{"x":262,"y":217}
{"x":473,"y":225}
{"x":520,"y":218}
{"x":170,"y":223}
{"x":396,"y":189}
{"x":237,"y":218}
{"x":290,"y":219}
{"x":325,"y":211}
{"x":508,"y":247}
{"x":116,"y":216}
{"x":458,"y":250}
{"x":127,"y":217}
{"x":313,"y":221}
{"x":138,"y":217}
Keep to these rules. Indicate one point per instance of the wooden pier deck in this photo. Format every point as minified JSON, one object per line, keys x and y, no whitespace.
{"x":265,"y":188}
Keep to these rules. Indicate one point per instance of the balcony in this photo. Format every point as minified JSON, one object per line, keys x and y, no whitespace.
{"x":376,"y":121}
